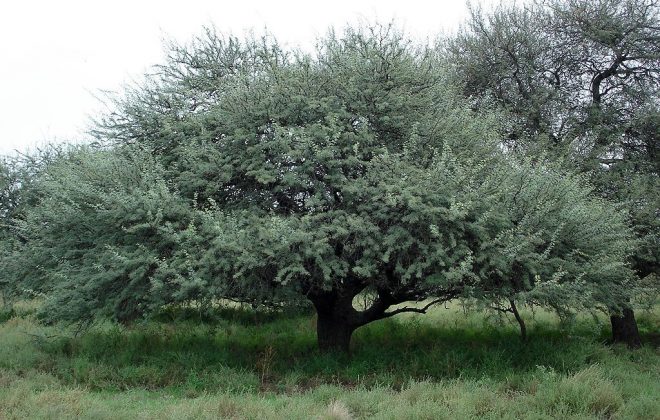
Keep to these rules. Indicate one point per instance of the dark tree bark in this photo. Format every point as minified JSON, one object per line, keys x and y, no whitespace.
{"x":521,"y":321}
{"x":624,"y":328}
{"x":333,"y":333}
{"x":336,"y":318}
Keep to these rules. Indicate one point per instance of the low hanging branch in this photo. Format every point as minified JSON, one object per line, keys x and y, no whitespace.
{"x":422,"y":310}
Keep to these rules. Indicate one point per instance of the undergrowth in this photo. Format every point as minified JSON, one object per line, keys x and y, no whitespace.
{"x":446,"y":363}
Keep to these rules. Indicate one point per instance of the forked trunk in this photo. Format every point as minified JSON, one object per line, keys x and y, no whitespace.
{"x":624,"y":328}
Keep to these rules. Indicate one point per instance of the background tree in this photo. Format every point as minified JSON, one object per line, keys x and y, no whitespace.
{"x":580,"y":82}
{"x":547,"y":252}
{"x":18,"y":174}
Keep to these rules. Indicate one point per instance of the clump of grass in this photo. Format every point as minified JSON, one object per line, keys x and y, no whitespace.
{"x":337,"y":411}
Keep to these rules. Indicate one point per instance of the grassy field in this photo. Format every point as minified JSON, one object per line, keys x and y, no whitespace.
{"x":240,"y":364}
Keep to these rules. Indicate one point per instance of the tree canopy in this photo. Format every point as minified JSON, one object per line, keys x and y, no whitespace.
{"x":244,"y":171}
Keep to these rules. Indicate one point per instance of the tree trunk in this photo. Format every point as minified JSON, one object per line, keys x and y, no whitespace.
{"x":336,"y":319}
{"x":624,"y":328}
{"x":333,"y":333}
{"x":521,"y":321}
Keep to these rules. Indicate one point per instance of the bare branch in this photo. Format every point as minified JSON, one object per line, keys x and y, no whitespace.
{"x":416,"y":310}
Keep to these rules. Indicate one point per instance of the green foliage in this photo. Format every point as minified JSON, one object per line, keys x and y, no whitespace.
{"x":242,"y":171}
{"x":103,"y":221}
{"x":574,"y":75}
{"x":579,"y":80}
{"x":18,"y":175}
{"x":555,"y":244}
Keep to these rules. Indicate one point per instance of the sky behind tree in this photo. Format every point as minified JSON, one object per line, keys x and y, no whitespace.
{"x":57,"y":56}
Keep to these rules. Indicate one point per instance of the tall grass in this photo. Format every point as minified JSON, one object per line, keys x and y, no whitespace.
{"x":238,"y":363}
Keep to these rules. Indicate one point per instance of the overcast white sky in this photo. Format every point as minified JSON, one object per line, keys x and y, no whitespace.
{"x":55,"y":55}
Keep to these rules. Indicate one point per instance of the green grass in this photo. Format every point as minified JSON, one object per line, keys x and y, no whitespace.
{"x":241,"y":364}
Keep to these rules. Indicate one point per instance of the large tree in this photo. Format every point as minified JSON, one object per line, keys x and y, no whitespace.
{"x":243,"y":171}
